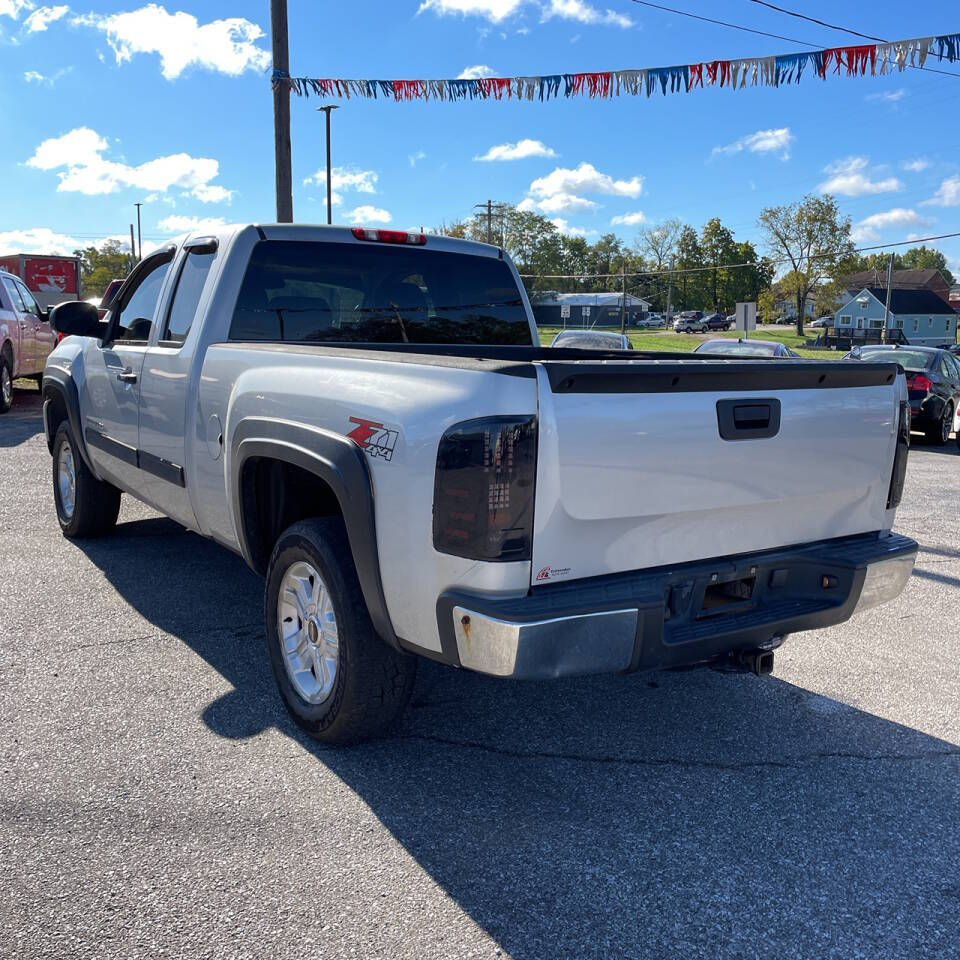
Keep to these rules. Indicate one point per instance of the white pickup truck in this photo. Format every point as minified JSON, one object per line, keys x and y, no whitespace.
{"x":368,"y":419}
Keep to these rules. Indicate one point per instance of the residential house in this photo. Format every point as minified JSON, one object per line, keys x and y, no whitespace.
{"x":920,"y":316}
{"x":930,"y":279}
{"x":586,"y":309}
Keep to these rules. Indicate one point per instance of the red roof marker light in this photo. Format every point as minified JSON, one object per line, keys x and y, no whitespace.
{"x":390,"y":236}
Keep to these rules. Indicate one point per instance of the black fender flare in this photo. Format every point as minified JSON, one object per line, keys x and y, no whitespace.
{"x":342,"y":465}
{"x":57,"y":383}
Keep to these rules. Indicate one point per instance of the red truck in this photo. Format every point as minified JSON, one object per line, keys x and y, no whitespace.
{"x":51,"y":279}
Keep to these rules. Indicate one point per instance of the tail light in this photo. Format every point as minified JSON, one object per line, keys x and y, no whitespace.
{"x":390,"y":236}
{"x":900,"y":458}
{"x":484,"y":489}
{"x":920,"y":382}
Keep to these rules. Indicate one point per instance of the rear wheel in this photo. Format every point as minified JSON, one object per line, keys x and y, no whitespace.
{"x":6,"y":384}
{"x":86,"y":506}
{"x":339,"y":681}
{"x":939,"y":433}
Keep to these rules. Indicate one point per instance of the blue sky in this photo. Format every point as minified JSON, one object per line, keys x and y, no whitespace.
{"x":106,"y":103}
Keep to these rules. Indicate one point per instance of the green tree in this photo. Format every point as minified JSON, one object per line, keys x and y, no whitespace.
{"x":813,"y":238}
{"x":926,"y":258}
{"x":689,"y":258}
{"x":718,"y":247}
{"x":100,"y":265}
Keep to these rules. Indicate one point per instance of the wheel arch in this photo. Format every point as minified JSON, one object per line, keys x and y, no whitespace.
{"x":265,"y":452}
{"x":61,"y":403}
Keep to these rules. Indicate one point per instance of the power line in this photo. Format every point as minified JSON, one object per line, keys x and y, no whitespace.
{"x":726,"y":266}
{"x":775,"y":36}
{"x":820,"y":23}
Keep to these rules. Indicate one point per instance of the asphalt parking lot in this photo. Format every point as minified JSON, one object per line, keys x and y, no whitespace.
{"x":155,"y":801}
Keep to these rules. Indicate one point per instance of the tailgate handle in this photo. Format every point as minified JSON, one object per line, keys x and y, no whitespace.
{"x":748,"y":419}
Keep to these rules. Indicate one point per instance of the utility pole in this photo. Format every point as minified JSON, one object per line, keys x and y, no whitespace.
{"x":489,"y":221}
{"x":327,"y":110}
{"x":670,"y":289}
{"x":623,"y":298}
{"x":133,"y":249}
{"x":281,"y":111}
{"x":886,"y":306}
{"x":139,"y":235}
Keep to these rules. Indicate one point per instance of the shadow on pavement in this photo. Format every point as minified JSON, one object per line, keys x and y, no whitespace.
{"x":675,"y":814}
{"x":24,"y":419}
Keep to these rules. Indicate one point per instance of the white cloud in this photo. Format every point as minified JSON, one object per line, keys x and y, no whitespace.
{"x":583,"y":12}
{"x":177,"y":223}
{"x":227,"y":46}
{"x":918,"y":165}
{"x":37,"y":239}
{"x":33,"y":76}
{"x":558,"y":203}
{"x":586,"y":179}
{"x":947,"y":195}
{"x":569,"y":230}
{"x":763,"y":141}
{"x":40,"y":18}
{"x":477,"y":72}
{"x":368,"y":214}
{"x":88,"y":172}
{"x":12,"y":8}
{"x":496,"y":11}
{"x":345,"y":178}
{"x":629,"y":219}
{"x":869,"y":228}
{"x":888,"y":96}
{"x":518,"y":151}
{"x":414,"y":158}
{"x":849,"y":178}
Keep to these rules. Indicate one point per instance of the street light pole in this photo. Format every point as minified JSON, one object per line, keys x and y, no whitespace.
{"x":326,"y":109}
{"x":139,"y":235}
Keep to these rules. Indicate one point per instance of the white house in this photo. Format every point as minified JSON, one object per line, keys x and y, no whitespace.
{"x":920,"y":315}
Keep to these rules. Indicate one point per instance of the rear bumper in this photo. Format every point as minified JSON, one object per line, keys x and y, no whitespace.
{"x":658,"y":618}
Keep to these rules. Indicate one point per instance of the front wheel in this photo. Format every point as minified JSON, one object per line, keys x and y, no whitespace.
{"x":339,"y":681}
{"x":86,"y":506}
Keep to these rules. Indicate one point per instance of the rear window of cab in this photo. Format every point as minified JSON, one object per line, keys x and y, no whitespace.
{"x":319,"y":292}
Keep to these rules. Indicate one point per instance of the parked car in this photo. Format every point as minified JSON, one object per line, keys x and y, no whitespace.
{"x":822,"y":322}
{"x":690,"y":322}
{"x":25,"y":336}
{"x":419,"y":481}
{"x":933,"y":383}
{"x":592,"y":340}
{"x":782,"y":321}
{"x":652,"y":321}
{"x":746,"y":348}
{"x":718,"y":321}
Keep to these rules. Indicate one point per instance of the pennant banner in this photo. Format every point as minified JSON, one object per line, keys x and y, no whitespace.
{"x":880,"y":58}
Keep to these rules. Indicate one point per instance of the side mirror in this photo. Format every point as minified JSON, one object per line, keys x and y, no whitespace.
{"x":77,"y":318}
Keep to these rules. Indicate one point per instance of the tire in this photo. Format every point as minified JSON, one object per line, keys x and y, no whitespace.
{"x":340,"y":685}
{"x":6,"y":384}
{"x":95,"y":503}
{"x":939,"y":433}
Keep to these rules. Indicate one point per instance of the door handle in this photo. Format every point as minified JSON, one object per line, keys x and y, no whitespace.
{"x":127,"y":376}
{"x":748,"y":419}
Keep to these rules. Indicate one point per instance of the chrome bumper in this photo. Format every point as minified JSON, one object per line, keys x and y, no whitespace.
{"x":658,"y":618}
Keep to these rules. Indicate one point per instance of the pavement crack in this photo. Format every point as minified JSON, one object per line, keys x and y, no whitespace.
{"x":114,"y":643}
{"x":788,"y":763}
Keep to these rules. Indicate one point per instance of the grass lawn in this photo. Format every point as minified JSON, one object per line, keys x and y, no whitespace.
{"x":669,"y":341}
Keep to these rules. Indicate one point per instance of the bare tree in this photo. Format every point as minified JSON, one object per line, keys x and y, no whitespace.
{"x":658,"y":244}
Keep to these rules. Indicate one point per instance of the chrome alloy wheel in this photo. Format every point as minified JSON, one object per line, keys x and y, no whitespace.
{"x":307,"y":630}
{"x":6,"y":385}
{"x":67,"y":480}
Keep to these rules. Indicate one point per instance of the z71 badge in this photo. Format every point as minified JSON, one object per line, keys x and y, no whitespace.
{"x":375,"y":438}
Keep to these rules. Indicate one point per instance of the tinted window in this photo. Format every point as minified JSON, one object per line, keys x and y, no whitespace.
{"x":136,"y":318}
{"x":953,"y":365}
{"x":193,"y":275}
{"x":366,"y":292}
{"x":15,"y":300}
{"x":908,"y":359}
{"x":29,"y":303}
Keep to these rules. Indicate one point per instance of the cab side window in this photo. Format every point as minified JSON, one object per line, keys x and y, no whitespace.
{"x":186,"y":299}
{"x":14,"y":294}
{"x":136,"y":316}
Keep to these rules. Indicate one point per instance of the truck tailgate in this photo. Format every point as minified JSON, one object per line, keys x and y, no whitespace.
{"x":647,"y":463}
